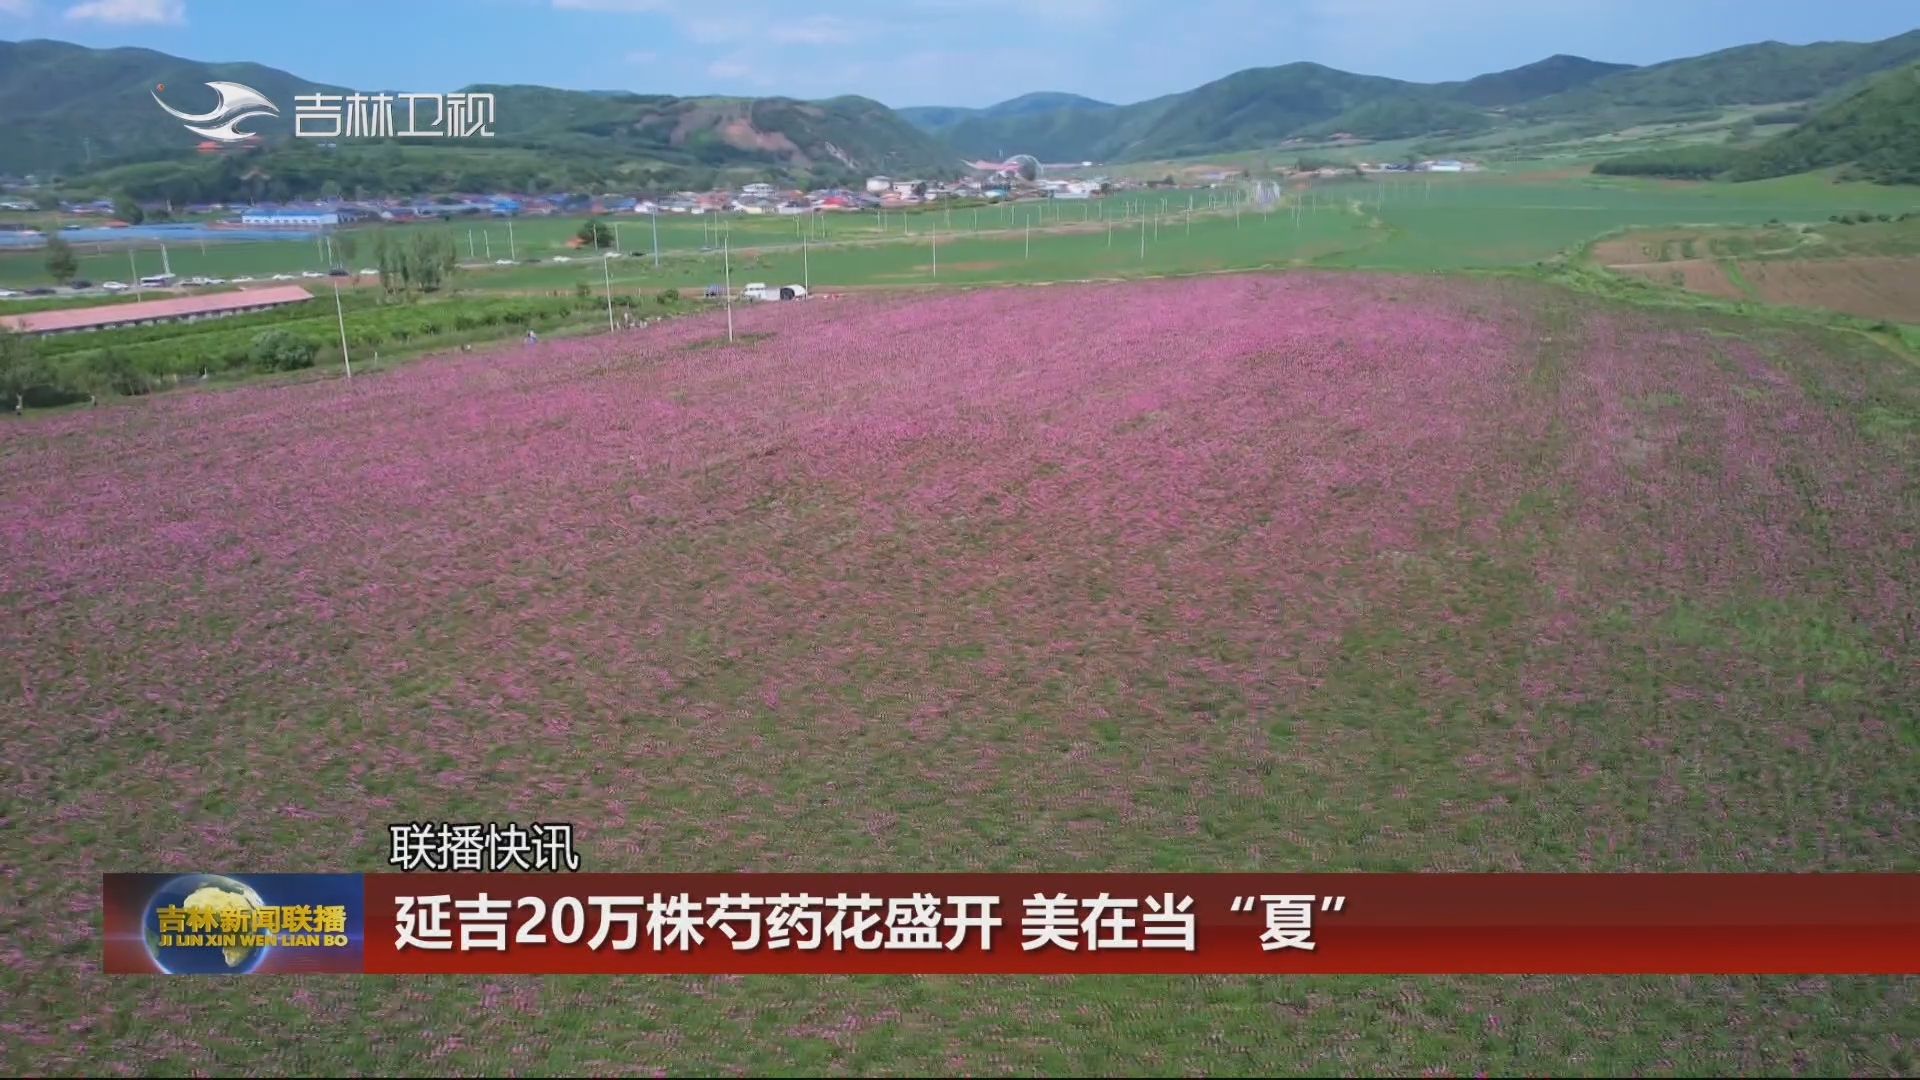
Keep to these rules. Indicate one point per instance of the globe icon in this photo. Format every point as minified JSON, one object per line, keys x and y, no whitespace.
{"x":204,"y":892}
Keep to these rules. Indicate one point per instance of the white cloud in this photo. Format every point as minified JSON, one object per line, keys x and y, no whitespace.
{"x":774,"y":22}
{"x":1047,"y":10}
{"x":613,"y":5}
{"x":1412,"y":38}
{"x":127,"y":12}
{"x":817,"y":30}
{"x":746,"y":23}
{"x":16,"y":7}
{"x":708,"y":30}
{"x":925,"y":77}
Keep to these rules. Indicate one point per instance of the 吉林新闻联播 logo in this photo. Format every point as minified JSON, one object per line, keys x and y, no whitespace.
{"x":237,"y":103}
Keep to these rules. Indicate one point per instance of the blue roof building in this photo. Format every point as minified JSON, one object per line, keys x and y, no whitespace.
{"x":297,"y":218}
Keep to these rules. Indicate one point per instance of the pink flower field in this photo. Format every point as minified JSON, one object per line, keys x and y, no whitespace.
{"x":1239,"y":573}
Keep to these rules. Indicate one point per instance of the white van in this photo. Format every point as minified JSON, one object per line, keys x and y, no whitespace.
{"x":762,"y":291}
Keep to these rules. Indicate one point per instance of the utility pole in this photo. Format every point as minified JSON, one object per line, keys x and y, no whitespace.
{"x":341,"y":313}
{"x":606,"y":274}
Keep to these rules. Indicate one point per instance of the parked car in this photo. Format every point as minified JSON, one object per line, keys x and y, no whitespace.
{"x":369,"y":272}
{"x":503,"y":262}
{"x":216,"y":281}
{"x":562,"y":258}
{"x":8,"y":294}
{"x":338,"y":271}
{"x":530,"y":260}
{"x":114,"y":286}
{"x":283,"y":277}
{"x":311,"y":274}
{"x":41,"y":291}
{"x":82,"y":283}
{"x":242,"y":278}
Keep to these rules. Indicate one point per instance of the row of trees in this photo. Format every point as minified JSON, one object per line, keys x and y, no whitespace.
{"x":1703,"y":162}
{"x":419,"y":262}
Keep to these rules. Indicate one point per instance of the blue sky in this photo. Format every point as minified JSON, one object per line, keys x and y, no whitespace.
{"x":925,"y":52}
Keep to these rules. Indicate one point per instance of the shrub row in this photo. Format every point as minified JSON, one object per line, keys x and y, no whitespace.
{"x":1864,"y":218}
{"x":1677,"y":163}
{"x":220,"y":348}
{"x":67,"y":368}
{"x":125,"y":337}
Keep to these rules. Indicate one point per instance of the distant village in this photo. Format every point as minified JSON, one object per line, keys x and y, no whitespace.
{"x":998,"y":183}
{"x":878,"y":193}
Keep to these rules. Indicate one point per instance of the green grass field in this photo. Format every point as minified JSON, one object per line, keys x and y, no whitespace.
{"x":1412,"y":223}
{"x":542,"y":237}
{"x":1455,"y":223}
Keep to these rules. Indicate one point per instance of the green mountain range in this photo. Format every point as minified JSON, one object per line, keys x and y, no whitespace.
{"x":65,"y":108}
{"x":1261,"y":107}
{"x":65,"y":105}
{"x":74,"y":110}
{"x":1248,"y":109}
{"x":1759,"y":74}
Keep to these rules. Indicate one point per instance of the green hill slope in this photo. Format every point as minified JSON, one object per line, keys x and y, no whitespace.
{"x":1875,"y":132}
{"x":938,"y":119}
{"x":840,"y":134}
{"x":1554,"y":75}
{"x":1746,"y":75}
{"x":1404,"y":117}
{"x":1067,"y":133}
{"x":1259,"y":106}
{"x":1043,"y":102}
{"x":63,"y":106}
{"x":933,"y":119}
